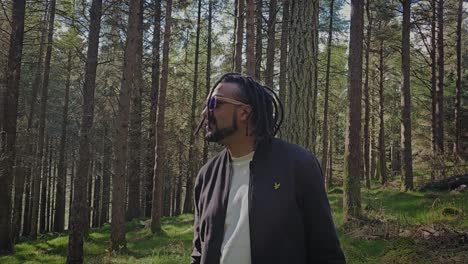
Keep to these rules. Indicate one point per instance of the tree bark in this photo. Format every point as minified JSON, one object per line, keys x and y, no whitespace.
{"x":258,"y":39}
{"x":18,"y":200}
{"x":42,"y":121}
{"x":191,"y":173}
{"x":300,"y":68}
{"x":54,"y":177}
{"x":97,"y":195}
{"x":155,"y":75}
{"x":106,"y":176}
{"x":270,"y":56}
{"x":440,"y":79}
{"x":79,"y":206}
{"x":433,"y":76}
{"x":325,"y":107}
{"x":134,"y":168}
{"x":250,"y":38}
{"x":367,"y":157}
{"x":45,"y":178}
{"x":158,"y":184}
{"x":208,"y":69}
{"x":406,"y":153}
{"x":284,"y":53}
{"x":121,"y":130}
{"x":312,"y":120}
{"x":8,"y":133}
{"x":382,"y":161}
{"x":458,"y":88}
{"x":352,"y":156}
{"x":239,"y":35}
{"x":59,"y":219}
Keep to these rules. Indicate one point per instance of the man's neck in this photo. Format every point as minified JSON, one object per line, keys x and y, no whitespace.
{"x":242,"y":147}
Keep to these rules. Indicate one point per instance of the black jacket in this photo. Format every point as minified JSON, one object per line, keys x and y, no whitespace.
{"x":289,"y":214}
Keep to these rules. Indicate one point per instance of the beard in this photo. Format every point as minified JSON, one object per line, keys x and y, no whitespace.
{"x":217,"y":134}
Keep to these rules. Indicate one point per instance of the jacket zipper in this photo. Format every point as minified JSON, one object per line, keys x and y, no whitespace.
{"x":250,"y":209}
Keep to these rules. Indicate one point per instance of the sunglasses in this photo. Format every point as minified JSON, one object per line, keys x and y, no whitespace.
{"x":214,"y":101}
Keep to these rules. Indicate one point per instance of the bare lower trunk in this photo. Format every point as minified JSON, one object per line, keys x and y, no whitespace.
{"x":42,"y":121}
{"x":270,"y":56}
{"x":382,"y":160}
{"x":121,"y":136}
{"x":158,"y":184}
{"x":191,"y":173}
{"x":239,"y":35}
{"x":284,"y":53}
{"x":352,"y":156}
{"x":440,"y":79}
{"x":250,"y":38}
{"x":457,"y":105}
{"x":406,"y":153}
{"x":79,"y":206}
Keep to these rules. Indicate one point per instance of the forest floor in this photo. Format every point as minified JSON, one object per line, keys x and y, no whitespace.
{"x":399,"y":227}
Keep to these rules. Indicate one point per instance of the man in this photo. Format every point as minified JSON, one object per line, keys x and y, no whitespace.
{"x":261,"y":199}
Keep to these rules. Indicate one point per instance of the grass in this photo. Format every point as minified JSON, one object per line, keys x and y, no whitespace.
{"x":173,"y":245}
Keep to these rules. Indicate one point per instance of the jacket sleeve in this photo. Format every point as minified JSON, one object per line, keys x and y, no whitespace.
{"x":196,"y":244}
{"x":322,"y":244}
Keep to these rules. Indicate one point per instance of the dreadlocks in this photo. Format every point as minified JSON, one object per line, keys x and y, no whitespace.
{"x":267,"y":109}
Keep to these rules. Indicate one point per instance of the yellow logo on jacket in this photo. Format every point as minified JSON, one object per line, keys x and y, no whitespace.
{"x":276,"y":185}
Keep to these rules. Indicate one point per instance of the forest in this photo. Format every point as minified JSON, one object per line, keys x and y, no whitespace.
{"x":100,"y":99}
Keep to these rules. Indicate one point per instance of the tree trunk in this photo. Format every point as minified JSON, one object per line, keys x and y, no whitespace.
{"x":208,"y":69}
{"x":433,"y":77}
{"x":54,"y":177}
{"x":7,"y":149}
{"x":258,"y":39}
{"x":406,"y":153}
{"x":44,"y":179}
{"x":42,"y":121}
{"x":329,"y":175}
{"x":30,"y":152}
{"x":352,"y":156}
{"x":178,"y":196}
{"x":366,"y":99}
{"x":373,"y":165}
{"x":250,"y":38}
{"x":382,"y":161}
{"x":313,"y":119}
{"x":134,"y":168}
{"x":155,"y":75}
{"x":440,"y":79}
{"x":106,"y":175}
{"x":18,"y":199}
{"x":79,"y":206}
{"x":158,"y":184}
{"x":458,"y":88}
{"x":270,"y":56}
{"x":284,"y":53}
{"x":97,"y":195}
{"x":121,"y":130}
{"x":300,"y":67}
{"x":59,"y":219}
{"x":191,"y":173}
{"x":72,"y":179}
{"x":49,"y":184}
{"x":239,"y":35}
{"x":325,"y":107}
{"x":89,"y":191}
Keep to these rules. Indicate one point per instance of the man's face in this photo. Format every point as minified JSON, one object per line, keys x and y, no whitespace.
{"x":220,"y":113}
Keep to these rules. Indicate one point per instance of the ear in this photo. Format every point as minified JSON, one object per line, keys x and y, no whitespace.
{"x":245,"y":113}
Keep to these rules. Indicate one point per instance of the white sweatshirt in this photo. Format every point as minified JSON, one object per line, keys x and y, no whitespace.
{"x":236,"y":244}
